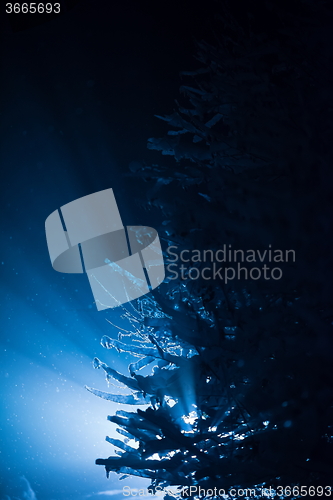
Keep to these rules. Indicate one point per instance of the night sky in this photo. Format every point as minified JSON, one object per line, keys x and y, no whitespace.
{"x":79,"y":94}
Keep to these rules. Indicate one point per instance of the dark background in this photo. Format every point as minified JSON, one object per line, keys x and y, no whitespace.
{"x":79,"y":93}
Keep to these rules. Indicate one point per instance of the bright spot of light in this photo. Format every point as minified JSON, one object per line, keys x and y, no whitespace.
{"x":240,"y":437}
{"x":132,"y":443}
{"x":190,"y":418}
{"x":155,"y":456}
{"x":170,"y":401}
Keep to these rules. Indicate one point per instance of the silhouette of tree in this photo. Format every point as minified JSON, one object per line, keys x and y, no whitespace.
{"x":241,"y":394}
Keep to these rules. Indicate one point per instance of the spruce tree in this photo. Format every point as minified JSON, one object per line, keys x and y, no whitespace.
{"x":240,"y":393}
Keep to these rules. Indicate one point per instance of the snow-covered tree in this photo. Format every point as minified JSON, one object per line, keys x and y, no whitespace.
{"x":241,"y":387}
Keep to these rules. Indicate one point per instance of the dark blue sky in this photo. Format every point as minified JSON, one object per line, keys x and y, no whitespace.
{"x":79,"y":96}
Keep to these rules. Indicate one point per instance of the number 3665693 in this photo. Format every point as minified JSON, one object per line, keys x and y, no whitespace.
{"x":32,"y":8}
